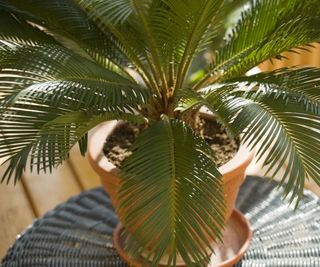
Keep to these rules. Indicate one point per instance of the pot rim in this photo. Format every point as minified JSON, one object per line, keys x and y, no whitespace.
{"x":101,"y":163}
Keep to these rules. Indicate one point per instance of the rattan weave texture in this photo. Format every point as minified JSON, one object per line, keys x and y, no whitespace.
{"x":78,"y":232}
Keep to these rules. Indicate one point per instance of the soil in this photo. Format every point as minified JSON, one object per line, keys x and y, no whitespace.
{"x":117,"y":146}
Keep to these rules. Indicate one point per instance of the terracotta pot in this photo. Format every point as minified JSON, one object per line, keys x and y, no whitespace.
{"x":233,"y":171}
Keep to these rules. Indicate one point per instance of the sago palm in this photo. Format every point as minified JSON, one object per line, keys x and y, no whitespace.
{"x":68,"y":65}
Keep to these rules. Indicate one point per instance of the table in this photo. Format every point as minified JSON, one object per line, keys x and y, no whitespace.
{"x":78,"y":232}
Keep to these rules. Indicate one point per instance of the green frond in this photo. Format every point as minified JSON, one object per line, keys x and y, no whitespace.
{"x":45,"y":85}
{"x":113,"y":12}
{"x":187,"y":100}
{"x":79,"y":94}
{"x":166,"y":32}
{"x":144,"y":11}
{"x":171,"y":180}
{"x":19,"y":31}
{"x":281,"y":119}
{"x":198,"y":24}
{"x":185,"y":27}
{"x":221,"y":102}
{"x":51,"y":60}
{"x":43,"y":137}
{"x":141,"y":46}
{"x":135,"y":34}
{"x":120,"y":19}
{"x":302,"y":83}
{"x":276,"y":123}
{"x":266,"y":29}
{"x":54,"y":75}
{"x":286,"y":132}
{"x":64,"y":18}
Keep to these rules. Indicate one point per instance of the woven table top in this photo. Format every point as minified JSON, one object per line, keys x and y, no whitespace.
{"x":78,"y":232}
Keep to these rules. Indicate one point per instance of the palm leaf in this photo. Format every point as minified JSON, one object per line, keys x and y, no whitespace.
{"x":267,"y":28}
{"x":39,"y":84}
{"x":287,"y":132}
{"x":175,"y":31}
{"x":219,"y":99}
{"x":55,"y":75}
{"x":19,"y":31}
{"x":197,"y":24}
{"x":134,"y":29}
{"x":175,"y":196}
{"x":111,"y":12}
{"x":281,"y":119}
{"x":303,"y":83}
{"x":46,"y":135}
{"x":281,"y":127}
{"x":138,"y":25}
{"x":121,"y":19}
{"x":64,"y":18}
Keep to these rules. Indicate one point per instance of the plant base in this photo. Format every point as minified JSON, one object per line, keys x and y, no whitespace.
{"x":237,"y":237}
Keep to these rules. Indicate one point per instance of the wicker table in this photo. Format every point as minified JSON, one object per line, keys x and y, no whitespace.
{"x":78,"y":232}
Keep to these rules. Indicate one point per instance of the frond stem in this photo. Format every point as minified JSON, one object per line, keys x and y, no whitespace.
{"x":174,"y":180}
{"x":141,"y":69}
{"x":186,"y":58}
{"x":153,"y":48}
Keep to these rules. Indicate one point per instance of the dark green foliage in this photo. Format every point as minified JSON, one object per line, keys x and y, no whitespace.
{"x":265,"y":30}
{"x":171,"y":174}
{"x":67,"y":65}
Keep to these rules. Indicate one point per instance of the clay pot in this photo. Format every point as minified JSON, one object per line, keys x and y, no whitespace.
{"x":233,"y":171}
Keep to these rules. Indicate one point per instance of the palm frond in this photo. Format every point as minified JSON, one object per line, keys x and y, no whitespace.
{"x":14,"y":30}
{"x":178,"y":30}
{"x":44,"y":136}
{"x":273,"y":119}
{"x":64,"y":18}
{"x":53,"y":73}
{"x":279,"y":125}
{"x":120,"y":18}
{"x":302,"y":83}
{"x":39,"y":84}
{"x":266,"y":29}
{"x":144,"y":10}
{"x":187,"y":100}
{"x":218,"y":99}
{"x":175,"y":197}
{"x":112,"y":12}
{"x":198,"y":25}
{"x":286,"y":132}
{"x":135,"y":23}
